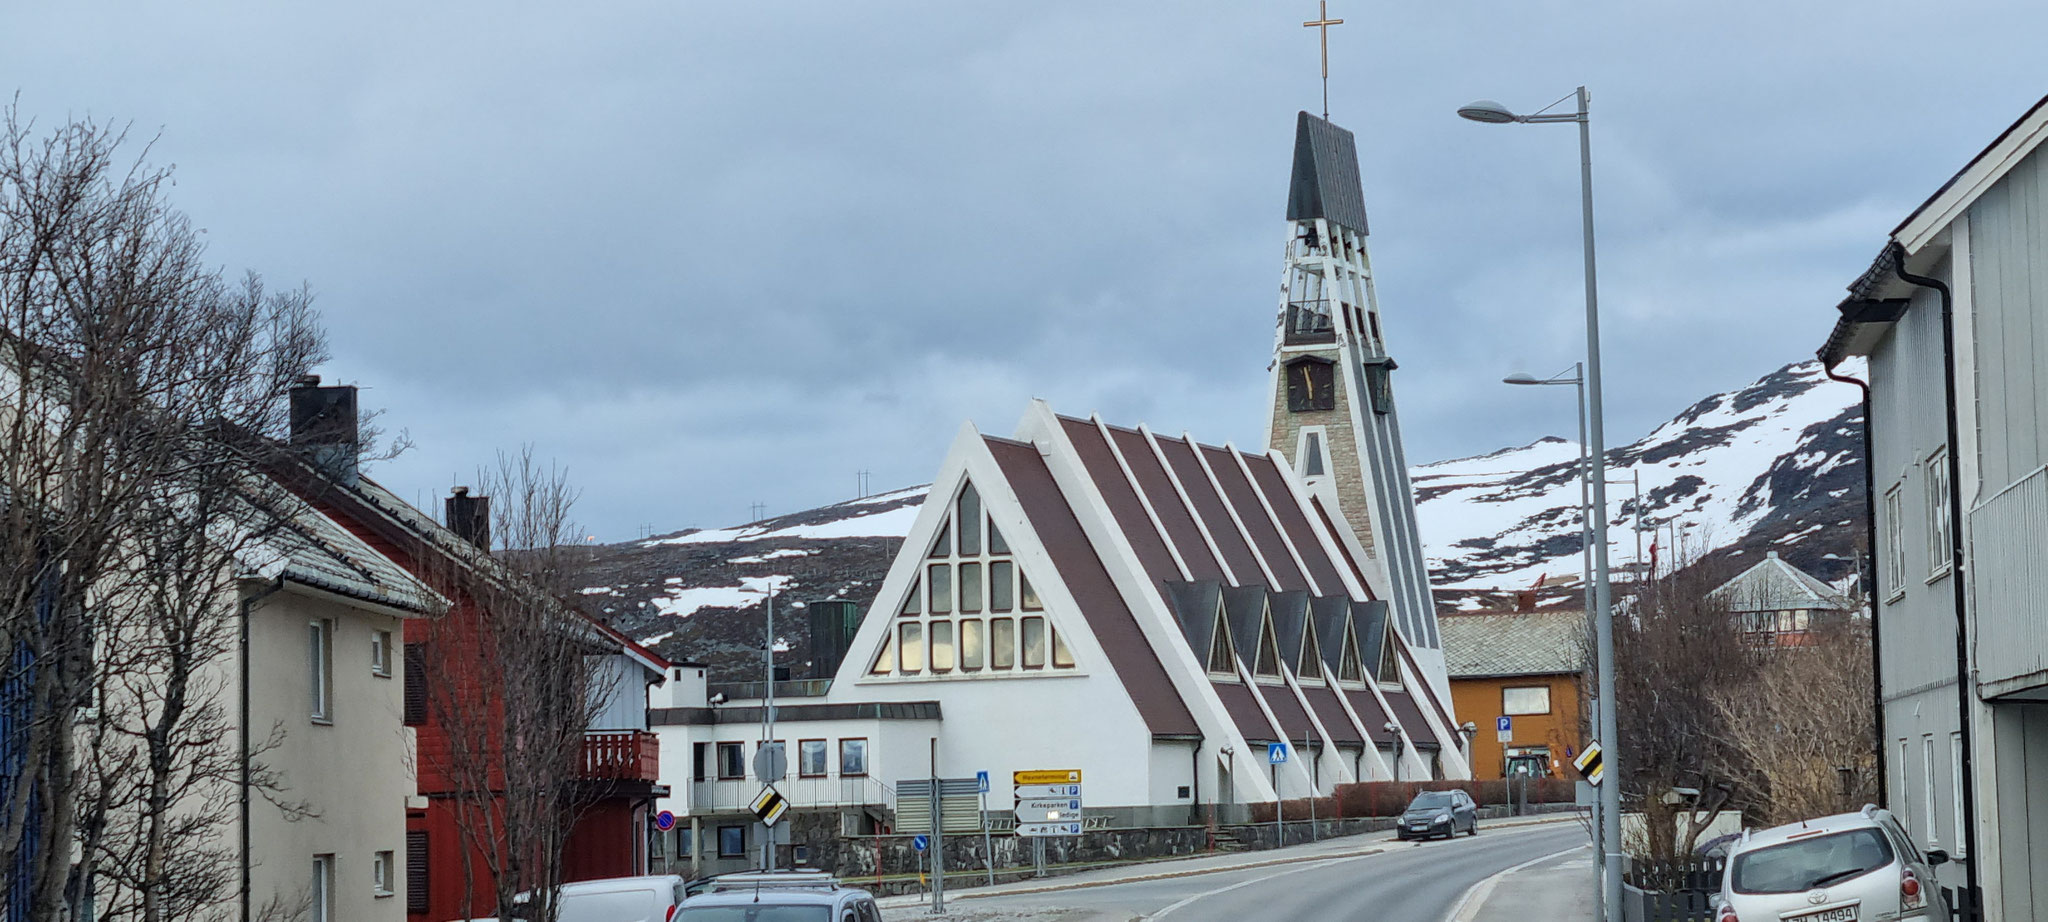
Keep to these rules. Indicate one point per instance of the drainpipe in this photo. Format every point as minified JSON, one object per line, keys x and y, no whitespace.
{"x":1955,"y":518}
{"x":1869,"y":578}
{"x":248,"y":605}
{"x":1195,"y":782}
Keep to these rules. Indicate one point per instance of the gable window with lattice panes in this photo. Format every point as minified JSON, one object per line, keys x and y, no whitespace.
{"x":1311,"y":670}
{"x":1268,"y":664}
{"x":1350,"y":666}
{"x":971,"y":610}
{"x":1222,"y":659}
{"x":1390,"y":669}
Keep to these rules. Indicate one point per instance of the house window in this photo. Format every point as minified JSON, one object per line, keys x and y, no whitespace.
{"x":1002,"y":643}
{"x":417,"y":896}
{"x":1390,"y":668}
{"x":1895,"y":540}
{"x":913,"y":604}
{"x":942,"y":646}
{"x":415,"y":685}
{"x":973,"y":644}
{"x":810,"y":758}
{"x":1525,"y":699}
{"x":1940,"y":550}
{"x":1030,"y":595}
{"x":384,"y":873}
{"x":1312,"y":452}
{"x":320,"y":896}
{"x":853,"y":756}
{"x":1267,"y":665}
{"x":1034,"y":643}
{"x":1221,"y":660}
{"x":320,"y":668}
{"x":910,"y":635}
{"x":942,"y":588}
{"x":1062,"y":658}
{"x":1955,"y":769}
{"x":1933,"y":836}
{"x":1905,"y":786}
{"x":996,"y":544}
{"x":732,"y":761}
{"x":732,"y":841}
{"x":885,"y":659}
{"x":970,"y":588}
{"x":686,"y":844}
{"x":969,"y":520}
{"x":380,"y":653}
{"x":700,"y":761}
{"x":1001,"y":584}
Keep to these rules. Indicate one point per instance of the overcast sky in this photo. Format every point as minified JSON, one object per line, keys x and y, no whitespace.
{"x":712,"y":254}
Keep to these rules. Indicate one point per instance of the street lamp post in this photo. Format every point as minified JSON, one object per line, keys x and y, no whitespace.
{"x":1492,"y":112}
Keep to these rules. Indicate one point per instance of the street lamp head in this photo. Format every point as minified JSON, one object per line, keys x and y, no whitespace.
{"x":1521,"y":377}
{"x":1488,"y":111}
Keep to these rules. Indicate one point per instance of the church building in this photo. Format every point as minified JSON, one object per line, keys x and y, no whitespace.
{"x":1148,"y":609}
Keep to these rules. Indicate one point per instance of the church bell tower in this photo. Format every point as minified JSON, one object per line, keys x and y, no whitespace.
{"x":1332,"y":378}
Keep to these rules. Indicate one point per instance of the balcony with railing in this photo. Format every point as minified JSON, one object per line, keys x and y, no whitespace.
{"x":787,"y":688}
{"x":731,"y":795}
{"x":621,"y":755}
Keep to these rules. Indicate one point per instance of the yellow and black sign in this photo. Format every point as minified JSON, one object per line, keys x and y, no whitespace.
{"x":1061,"y":776}
{"x":1589,"y":765}
{"x":769,"y":806}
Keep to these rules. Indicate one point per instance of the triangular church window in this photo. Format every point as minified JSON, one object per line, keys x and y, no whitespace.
{"x":996,"y":544}
{"x":885,"y":661}
{"x":1268,"y":665}
{"x":943,"y":547}
{"x":1311,"y":653}
{"x":913,"y":602}
{"x":1350,"y":668}
{"x":1221,"y":660}
{"x":969,"y":520}
{"x":1390,"y":672}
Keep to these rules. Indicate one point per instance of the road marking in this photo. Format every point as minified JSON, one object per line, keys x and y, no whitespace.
{"x":1468,"y":907}
{"x":1246,"y":883}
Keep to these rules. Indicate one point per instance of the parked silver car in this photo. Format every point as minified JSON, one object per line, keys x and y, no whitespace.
{"x":779,"y":897}
{"x":1852,"y":867}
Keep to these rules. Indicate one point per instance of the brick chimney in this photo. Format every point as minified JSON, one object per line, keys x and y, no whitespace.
{"x":323,"y":425}
{"x":469,"y":517}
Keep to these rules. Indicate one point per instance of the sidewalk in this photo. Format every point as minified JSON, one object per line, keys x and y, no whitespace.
{"x":1559,"y":888}
{"x":966,"y":885}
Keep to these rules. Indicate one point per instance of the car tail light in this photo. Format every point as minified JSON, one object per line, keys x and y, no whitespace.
{"x":671,"y":914}
{"x":1727,"y":915}
{"x":1910,"y":896}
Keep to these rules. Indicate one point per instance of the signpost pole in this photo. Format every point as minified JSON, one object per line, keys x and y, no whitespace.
{"x":988,"y":848}
{"x":768,"y":721}
{"x":1308,"y":768}
{"x":938,"y":838}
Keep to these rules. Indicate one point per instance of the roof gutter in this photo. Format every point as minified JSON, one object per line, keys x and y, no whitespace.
{"x":1964,"y":688}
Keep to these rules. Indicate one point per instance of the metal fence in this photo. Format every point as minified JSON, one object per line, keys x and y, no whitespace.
{"x":1679,"y":890}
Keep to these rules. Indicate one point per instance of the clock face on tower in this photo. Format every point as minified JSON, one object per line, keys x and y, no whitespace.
{"x":1311,"y":385}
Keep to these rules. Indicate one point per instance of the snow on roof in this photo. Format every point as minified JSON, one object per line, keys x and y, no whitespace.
{"x":1776,"y":585}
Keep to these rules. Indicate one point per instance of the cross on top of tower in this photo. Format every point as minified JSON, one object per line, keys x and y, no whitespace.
{"x":1322,"y":24}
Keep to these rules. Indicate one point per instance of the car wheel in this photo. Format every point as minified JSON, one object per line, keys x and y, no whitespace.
{"x":1475,"y":827}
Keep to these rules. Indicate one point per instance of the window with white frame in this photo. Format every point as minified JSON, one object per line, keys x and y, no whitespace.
{"x":320,"y":668}
{"x":1525,"y":699}
{"x":1933,"y":835}
{"x":320,"y":895}
{"x":1904,"y":789}
{"x":380,"y":653}
{"x":1940,"y":549}
{"x":1310,"y":451}
{"x":1895,"y":541}
{"x":384,"y":873}
{"x":1955,"y":777}
{"x":971,"y":611}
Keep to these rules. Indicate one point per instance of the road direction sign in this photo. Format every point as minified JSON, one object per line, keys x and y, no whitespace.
{"x":771,"y":764}
{"x":1589,"y":765}
{"x":1057,"y":776}
{"x":920,"y":843}
{"x":1047,"y":790}
{"x":769,"y":806}
{"x":981,"y":781}
{"x":1049,"y":810}
{"x":1504,"y":728}
{"x":665,"y":821}
{"x":1048,"y":829}
{"x":1276,"y":753}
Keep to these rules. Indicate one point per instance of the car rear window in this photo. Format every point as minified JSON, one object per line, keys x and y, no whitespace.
{"x":1430,"y":799}
{"x":635,"y":905}
{"x":756,"y":912}
{"x":1806,"y":864}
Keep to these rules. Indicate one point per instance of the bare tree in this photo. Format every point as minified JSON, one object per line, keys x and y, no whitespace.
{"x":511,"y":689}
{"x":1800,"y":729}
{"x":123,"y":357}
{"x":1677,"y":653}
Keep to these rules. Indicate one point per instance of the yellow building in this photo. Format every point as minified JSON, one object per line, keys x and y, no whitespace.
{"x":1529,"y":668}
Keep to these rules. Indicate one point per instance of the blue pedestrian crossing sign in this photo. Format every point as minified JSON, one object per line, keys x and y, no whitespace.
{"x":1276,"y":753}
{"x":981,"y":781}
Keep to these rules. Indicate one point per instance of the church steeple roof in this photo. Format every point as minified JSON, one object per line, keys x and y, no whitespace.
{"x":1325,"y":183}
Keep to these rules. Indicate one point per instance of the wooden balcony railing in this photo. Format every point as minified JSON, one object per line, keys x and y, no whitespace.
{"x":621,"y":755}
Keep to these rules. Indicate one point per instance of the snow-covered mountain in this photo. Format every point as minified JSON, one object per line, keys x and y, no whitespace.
{"x":1774,"y":465}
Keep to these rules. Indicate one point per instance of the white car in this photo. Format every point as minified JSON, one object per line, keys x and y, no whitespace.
{"x":1852,"y":867}
{"x":653,"y":898}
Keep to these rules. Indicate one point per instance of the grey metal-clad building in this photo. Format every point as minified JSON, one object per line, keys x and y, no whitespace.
{"x":1959,"y":466}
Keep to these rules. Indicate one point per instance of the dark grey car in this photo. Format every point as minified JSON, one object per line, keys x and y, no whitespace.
{"x":1439,"y":813}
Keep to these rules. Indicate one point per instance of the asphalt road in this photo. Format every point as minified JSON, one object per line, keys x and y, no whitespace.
{"x":1408,"y":882}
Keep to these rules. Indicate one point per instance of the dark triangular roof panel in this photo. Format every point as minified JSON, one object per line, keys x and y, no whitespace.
{"x":1325,"y":183}
{"x":1330,"y":613}
{"x":1246,"y":608}
{"x":1194,"y":606}
{"x":1290,"y":620}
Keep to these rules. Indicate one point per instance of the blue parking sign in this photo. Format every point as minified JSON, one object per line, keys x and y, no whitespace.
{"x":1503,"y":724}
{"x":1276,"y":753}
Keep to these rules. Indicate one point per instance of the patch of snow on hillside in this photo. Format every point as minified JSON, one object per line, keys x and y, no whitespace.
{"x":682,"y":602}
{"x":858,"y":523}
{"x":774,"y":555}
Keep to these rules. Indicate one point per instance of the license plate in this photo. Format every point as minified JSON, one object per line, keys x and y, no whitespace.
{"x":1837,"y":914}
